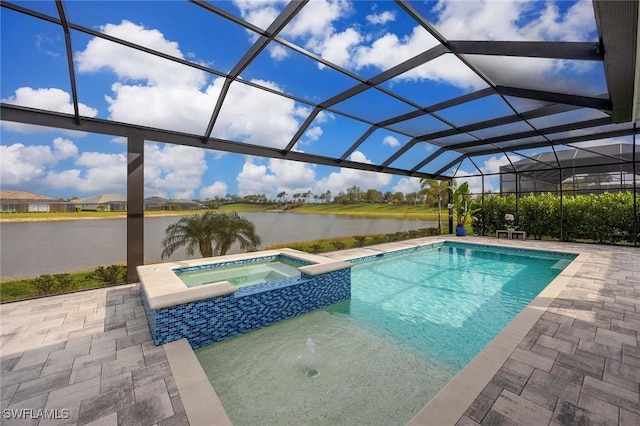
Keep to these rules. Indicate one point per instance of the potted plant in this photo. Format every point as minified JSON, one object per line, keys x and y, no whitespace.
{"x":461,"y":205}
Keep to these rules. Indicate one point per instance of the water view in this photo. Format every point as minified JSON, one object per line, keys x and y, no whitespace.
{"x":34,"y":248}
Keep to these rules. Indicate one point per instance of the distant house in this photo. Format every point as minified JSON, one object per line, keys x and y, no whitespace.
{"x":102,"y":203}
{"x":159,"y":203}
{"x":187,"y":204}
{"x":23,"y":202}
{"x":155,"y":203}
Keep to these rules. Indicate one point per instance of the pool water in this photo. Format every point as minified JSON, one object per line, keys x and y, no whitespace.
{"x":414,"y":320}
{"x":242,"y":275}
{"x":447,"y":303}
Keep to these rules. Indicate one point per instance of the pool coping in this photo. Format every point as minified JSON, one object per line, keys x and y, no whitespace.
{"x":451,"y":402}
{"x":194,"y":386}
{"x":163,"y":288}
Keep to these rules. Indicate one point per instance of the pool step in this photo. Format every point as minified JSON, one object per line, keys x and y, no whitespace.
{"x":561,"y":264}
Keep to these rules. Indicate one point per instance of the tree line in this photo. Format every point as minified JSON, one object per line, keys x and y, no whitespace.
{"x":431,"y":193}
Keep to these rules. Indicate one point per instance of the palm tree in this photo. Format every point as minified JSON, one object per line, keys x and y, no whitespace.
{"x":211,"y":233}
{"x":235,"y":228}
{"x":436,"y":189}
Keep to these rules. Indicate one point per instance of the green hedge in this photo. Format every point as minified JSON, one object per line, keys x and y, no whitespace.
{"x":605,"y":218}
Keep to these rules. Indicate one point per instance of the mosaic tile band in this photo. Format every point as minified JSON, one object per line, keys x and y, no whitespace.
{"x":215,"y":319}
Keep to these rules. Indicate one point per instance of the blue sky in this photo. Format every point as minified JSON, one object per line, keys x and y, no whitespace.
{"x":363,"y":37}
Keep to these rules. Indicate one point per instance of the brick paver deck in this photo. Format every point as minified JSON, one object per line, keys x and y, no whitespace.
{"x":580,"y":363}
{"x":88,"y":355}
{"x":91,"y":354}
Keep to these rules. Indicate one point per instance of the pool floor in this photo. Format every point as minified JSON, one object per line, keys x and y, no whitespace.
{"x":253,"y":374}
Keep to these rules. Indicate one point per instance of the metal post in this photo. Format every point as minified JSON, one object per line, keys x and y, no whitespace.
{"x":450,"y":211}
{"x":135,"y":204}
{"x":518,"y":177}
{"x":635,"y":190}
{"x":561,"y":207}
{"x":484,"y":214}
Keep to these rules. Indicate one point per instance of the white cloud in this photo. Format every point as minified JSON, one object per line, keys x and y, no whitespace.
{"x":316,"y":19}
{"x":475,"y":182}
{"x":314,"y":133}
{"x":173,"y":171}
{"x":341,"y":180}
{"x":317,"y":27}
{"x":173,"y":96}
{"x":390,"y":141}
{"x":64,"y":148}
{"x":407,"y":185}
{"x":313,"y":25}
{"x":216,"y":189}
{"x":518,"y":21}
{"x":381,"y":18}
{"x":258,"y":117}
{"x":50,"y":99}
{"x":24,"y":164}
{"x":274,"y":176}
{"x":501,"y":20}
{"x":103,"y":173}
{"x":260,"y":13}
{"x":33,"y":167}
{"x":493,"y":164}
{"x":131,"y":64}
{"x":491,"y":183}
{"x":339,"y":48}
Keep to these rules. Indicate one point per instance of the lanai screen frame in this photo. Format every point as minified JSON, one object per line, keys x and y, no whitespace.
{"x":616,"y":49}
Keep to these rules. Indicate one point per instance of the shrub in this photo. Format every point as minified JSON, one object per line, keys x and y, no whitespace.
{"x":606,"y":217}
{"x":112,"y":274}
{"x":540,"y":215}
{"x":414,"y":233}
{"x":50,"y":284}
{"x":378,"y":239}
{"x":316,"y":248}
{"x":338,"y":245}
{"x":360,"y":240}
{"x":489,"y":219}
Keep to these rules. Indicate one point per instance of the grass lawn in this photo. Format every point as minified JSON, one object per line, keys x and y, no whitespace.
{"x":374,"y":210}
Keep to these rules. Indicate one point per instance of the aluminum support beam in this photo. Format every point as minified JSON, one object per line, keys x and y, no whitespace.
{"x":581,"y":51}
{"x":135,"y":204}
{"x":289,"y":12}
{"x":95,"y":125}
{"x":72,"y":74}
{"x":561,"y":98}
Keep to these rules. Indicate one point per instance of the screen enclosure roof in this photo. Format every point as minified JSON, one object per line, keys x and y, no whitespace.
{"x":436,"y":98}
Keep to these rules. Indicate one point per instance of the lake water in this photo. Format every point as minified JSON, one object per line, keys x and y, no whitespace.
{"x":32,"y":248}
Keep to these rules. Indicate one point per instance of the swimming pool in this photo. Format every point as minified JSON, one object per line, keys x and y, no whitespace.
{"x":413,"y":321}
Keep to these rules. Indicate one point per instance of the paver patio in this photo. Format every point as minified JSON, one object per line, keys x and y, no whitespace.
{"x":91,"y":354}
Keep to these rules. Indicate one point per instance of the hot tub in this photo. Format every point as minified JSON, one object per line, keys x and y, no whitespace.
{"x":231,"y":295}
{"x":272,"y":268}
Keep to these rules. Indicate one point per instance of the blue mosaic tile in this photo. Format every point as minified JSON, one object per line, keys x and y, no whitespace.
{"x":211,"y":320}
